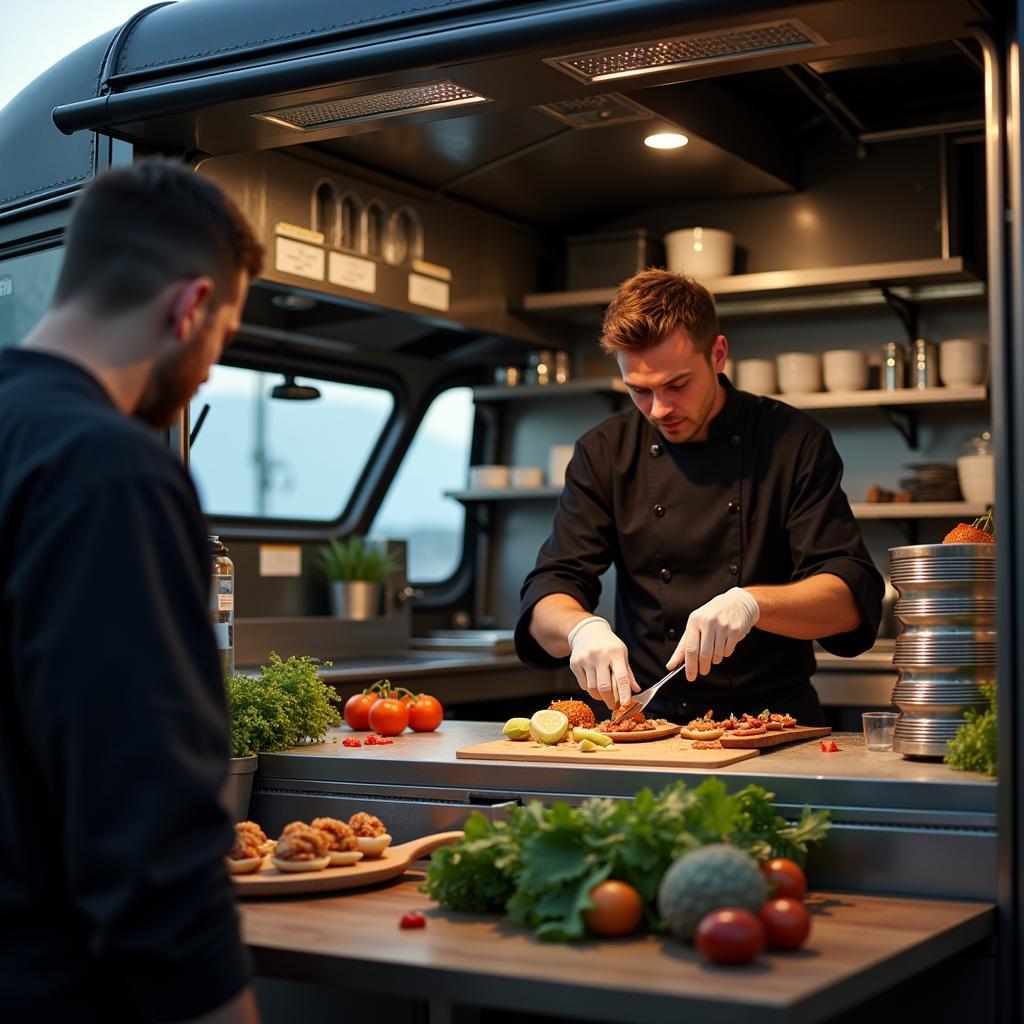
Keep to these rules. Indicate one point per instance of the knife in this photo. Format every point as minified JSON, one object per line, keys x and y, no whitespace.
{"x":643,"y":698}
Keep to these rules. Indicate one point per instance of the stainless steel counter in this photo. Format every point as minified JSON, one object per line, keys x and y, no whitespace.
{"x":899,"y":826}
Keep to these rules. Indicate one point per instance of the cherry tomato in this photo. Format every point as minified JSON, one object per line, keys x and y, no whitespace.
{"x":357,"y":710}
{"x":786,"y":923}
{"x":730,"y":936}
{"x":784,"y":878}
{"x":414,"y":919}
{"x":617,"y":909}
{"x":350,"y":741}
{"x":425,"y":713}
{"x":388,"y":716}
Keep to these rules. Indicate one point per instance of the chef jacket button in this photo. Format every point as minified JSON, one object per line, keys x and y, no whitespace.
{"x":659,"y":510}
{"x":734,"y":506}
{"x":665,"y":575}
{"x":672,"y":634}
{"x":735,"y":440}
{"x":733,"y":568}
{"x":655,"y":449}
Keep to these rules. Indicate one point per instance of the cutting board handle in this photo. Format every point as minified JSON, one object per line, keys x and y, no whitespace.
{"x":416,"y":849}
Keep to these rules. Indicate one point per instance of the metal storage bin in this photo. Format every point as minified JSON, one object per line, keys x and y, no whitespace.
{"x":601,"y":260}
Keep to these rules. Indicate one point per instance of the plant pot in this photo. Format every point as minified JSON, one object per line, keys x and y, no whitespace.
{"x":354,"y":599}
{"x":237,"y":789}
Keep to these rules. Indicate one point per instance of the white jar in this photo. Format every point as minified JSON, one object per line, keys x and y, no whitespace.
{"x":799,"y":373}
{"x":962,"y":362}
{"x":701,"y":252}
{"x":756,"y":376}
{"x":846,"y":369}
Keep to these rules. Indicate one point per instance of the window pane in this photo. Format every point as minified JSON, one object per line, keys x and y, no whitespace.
{"x":26,"y":287}
{"x":274,"y":458}
{"x":415,"y":507}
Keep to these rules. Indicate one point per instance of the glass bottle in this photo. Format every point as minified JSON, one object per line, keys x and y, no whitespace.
{"x":222,"y":603}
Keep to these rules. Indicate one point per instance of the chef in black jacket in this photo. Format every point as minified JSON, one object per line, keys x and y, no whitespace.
{"x":722,"y":512}
{"x":115,"y":905}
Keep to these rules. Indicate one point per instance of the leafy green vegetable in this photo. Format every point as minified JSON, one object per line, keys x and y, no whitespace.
{"x":973,"y":748}
{"x":541,"y":864}
{"x":285,"y":705}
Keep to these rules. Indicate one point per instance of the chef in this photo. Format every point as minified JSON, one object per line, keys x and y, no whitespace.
{"x":723,"y":513}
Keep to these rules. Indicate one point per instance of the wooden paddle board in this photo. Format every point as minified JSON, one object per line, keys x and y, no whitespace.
{"x":797,"y":734}
{"x":268,"y":881}
{"x":673,"y":752}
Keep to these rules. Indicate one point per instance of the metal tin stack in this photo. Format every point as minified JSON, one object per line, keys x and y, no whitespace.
{"x":946,"y":645}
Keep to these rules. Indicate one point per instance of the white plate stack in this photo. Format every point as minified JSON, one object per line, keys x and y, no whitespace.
{"x":946,"y":646}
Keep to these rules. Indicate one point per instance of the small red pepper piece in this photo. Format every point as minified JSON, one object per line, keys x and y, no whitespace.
{"x":414,"y":919}
{"x":833,"y":747}
{"x":824,"y":747}
{"x":371,"y":740}
{"x":383,"y":741}
{"x":350,"y":741}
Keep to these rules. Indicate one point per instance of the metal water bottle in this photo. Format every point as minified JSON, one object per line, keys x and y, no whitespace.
{"x":222,"y":604}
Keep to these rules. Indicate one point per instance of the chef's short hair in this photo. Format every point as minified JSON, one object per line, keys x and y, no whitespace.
{"x":652,"y":305}
{"x":135,"y":230}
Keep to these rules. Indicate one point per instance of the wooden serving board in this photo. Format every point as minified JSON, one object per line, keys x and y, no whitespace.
{"x":673,"y":752}
{"x":268,"y":881}
{"x":797,"y":734}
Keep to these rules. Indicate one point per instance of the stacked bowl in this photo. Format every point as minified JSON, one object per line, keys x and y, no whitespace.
{"x":946,"y":646}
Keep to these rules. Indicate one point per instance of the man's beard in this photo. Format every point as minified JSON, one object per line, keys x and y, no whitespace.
{"x":696,"y":424}
{"x":172,"y":383}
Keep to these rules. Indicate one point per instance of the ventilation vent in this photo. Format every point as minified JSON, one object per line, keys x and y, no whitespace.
{"x":312,"y":117}
{"x":596,"y":111}
{"x":684,"y":51}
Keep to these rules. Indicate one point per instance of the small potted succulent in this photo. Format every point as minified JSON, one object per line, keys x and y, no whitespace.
{"x":356,"y":570}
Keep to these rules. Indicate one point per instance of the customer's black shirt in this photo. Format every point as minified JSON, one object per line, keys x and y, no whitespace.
{"x":758,"y":503}
{"x":114,"y":902}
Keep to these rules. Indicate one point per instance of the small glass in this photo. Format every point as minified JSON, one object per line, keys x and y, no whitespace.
{"x":879,"y":728}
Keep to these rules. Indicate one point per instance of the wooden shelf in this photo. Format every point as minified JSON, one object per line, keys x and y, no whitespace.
{"x":917,"y":509}
{"x":470,"y":496}
{"x":780,"y":291}
{"x":885,"y":399}
{"x":582,"y":387}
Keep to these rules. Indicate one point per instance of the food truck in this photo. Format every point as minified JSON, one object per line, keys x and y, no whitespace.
{"x":449,"y":195}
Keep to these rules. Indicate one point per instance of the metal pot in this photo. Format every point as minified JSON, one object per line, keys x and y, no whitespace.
{"x":237,"y":791}
{"x":354,"y":599}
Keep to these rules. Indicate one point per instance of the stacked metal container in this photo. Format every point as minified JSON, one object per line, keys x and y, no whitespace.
{"x":946,"y":645}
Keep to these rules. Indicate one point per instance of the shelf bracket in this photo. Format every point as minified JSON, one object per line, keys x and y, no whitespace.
{"x":906,"y":310}
{"x":905,"y":421}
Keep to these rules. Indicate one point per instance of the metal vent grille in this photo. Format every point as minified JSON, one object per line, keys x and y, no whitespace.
{"x":311,"y":117}
{"x":596,"y":111}
{"x":683,"y":51}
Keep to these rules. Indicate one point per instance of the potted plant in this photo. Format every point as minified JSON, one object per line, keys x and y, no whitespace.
{"x":356,"y":570}
{"x":285,"y":705}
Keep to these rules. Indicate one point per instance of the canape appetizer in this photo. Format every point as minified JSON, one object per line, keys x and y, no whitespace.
{"x":371,"y":833}
{"x":343,"y":847}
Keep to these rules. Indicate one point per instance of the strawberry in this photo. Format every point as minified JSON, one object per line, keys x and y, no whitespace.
{"x":981,"y":531}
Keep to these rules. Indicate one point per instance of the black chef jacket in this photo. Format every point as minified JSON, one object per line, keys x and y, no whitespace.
{"x":759,"y":502}
{"x":114,"y":901}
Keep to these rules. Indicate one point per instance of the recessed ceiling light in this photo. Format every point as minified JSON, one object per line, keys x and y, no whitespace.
{"x":666,"y":140}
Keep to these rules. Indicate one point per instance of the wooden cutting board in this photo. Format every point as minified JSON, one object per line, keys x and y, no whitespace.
{"x":673,"y":752}
{"x":268,"y":881}
{"x":797,"y":734}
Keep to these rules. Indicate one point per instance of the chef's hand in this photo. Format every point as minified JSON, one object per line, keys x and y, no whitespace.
{"x":600,"y":663}
{"x":714,"y":629}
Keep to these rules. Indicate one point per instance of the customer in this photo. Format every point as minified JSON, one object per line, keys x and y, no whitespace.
{"x":114,"y":901}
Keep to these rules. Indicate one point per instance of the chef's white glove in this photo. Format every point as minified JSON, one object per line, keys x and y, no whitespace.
{"x":714,"y":629}
{"x":600,"y":662}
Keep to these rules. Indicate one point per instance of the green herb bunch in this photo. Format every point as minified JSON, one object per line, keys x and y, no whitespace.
{"x":285,"y":705}
{"x":973,"y":748}
{"x":356,"y":559}
{"x":541,"y":864}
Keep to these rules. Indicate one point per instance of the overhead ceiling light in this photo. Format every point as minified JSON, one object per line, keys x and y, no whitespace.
{"x":666,"y":140}
{"x":685,"y":51}
{"x":312,"y":117}
{"x":292,"y":392}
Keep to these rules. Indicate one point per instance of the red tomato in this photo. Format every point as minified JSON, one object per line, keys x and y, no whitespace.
{"x":388,"y":716}
{"x":784,"y":878}
{"x":414,"y":919}
{"x":357,"y":710}
{"x":730,"y":936}
{"x":786,"y":923}
{"x":425,"y":713}
{"x":617,"y":909}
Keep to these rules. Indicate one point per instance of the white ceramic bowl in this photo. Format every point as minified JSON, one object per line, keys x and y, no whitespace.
{"x":489,"y":478}
{"x":701,"y":252}
{"x":977,"y":475}
{"x":799,"y":373}
{"x":558,"y":462}
{"x":962,"y":362}
{"x":846,"y":369}
{"x":527,"y":476}
{"x":756,"y":376}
